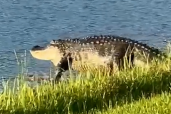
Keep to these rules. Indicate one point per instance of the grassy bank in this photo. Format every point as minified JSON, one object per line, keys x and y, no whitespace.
{"x":98,"y":92}
{"x":160,"y":104}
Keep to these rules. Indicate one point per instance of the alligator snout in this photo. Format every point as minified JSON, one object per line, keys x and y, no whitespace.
{"x":36,"y":48}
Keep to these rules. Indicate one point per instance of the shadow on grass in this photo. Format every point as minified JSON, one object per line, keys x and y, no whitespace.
{"x":114,"y":92}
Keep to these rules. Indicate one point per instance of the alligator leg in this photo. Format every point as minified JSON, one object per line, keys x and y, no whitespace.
{"x":130,"y":60}
{"x":64,"y":64}
{"x":123,"y":58}
{"x":121,"y":62}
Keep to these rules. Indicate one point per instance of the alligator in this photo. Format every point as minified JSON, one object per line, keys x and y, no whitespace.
{"x":105,"y":50}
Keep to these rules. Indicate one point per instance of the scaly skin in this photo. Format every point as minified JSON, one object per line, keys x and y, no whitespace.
{"x":99,"y":50}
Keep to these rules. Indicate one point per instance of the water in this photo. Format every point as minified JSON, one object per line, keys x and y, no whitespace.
{"x":25,"y":23}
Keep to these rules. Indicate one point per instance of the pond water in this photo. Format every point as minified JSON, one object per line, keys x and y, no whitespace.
{"x":25,"y":23}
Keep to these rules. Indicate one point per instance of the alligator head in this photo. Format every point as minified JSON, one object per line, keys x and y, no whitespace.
{"x":49,"y":52}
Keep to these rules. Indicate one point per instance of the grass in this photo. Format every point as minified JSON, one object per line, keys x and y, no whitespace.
{"x":160,"y":104}
{"x":140,"y":90}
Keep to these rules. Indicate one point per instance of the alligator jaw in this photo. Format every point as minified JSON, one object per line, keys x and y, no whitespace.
{"x":50,"y":53}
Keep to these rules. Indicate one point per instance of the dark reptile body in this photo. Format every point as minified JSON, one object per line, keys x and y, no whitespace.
{"x":108,"y":45}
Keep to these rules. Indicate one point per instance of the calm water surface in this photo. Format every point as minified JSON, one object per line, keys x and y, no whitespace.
{"x":24,"y":23}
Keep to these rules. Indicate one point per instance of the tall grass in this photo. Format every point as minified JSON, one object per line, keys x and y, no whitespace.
{"x":98,"y":91}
